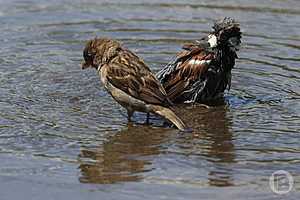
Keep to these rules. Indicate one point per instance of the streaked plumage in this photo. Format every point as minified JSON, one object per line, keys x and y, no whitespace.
{"x":202,"y":71}
{"x":128,"y":79}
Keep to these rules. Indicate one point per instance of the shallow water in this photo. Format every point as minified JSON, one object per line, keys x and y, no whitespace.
{"x":62,"y":136}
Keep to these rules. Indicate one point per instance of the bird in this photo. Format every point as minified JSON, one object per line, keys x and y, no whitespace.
{"x":201,"y":72}
{"x":128,"y":79}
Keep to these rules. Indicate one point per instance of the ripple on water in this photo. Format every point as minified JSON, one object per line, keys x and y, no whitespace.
{"x":67,"y":132}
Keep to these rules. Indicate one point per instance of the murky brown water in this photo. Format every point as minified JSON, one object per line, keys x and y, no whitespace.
{"x":62,"y":136}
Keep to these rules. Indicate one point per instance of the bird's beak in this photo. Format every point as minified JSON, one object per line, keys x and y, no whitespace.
{"x":84,"y":65}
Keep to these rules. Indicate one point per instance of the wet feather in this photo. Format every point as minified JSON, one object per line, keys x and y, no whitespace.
{"x":202,"y":70}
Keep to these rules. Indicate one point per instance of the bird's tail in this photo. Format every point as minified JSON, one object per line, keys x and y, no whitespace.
{"x":169,"y":115}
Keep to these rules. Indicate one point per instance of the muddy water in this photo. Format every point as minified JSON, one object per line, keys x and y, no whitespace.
{"x":62,"y":136}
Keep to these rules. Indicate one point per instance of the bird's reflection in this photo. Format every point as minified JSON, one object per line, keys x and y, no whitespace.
{"x":125,"y":156}
{"x":128,"y":154}
{"x":213,"y":128}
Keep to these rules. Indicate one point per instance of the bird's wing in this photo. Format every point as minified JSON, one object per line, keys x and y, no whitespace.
{"x":189,"y":66}
{"x":131,"y":75}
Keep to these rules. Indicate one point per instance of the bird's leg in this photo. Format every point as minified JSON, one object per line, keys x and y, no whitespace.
{"x":129,"y":113}
{"x":147,"y":119}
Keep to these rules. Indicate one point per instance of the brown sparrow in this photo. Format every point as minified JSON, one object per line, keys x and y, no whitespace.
{"x":202,"y":71}
{"x":128,"y":79}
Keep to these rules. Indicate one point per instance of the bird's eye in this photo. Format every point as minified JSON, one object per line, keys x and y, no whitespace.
{"x":87,"y":55}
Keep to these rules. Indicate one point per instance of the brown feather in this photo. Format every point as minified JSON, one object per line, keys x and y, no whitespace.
{"x":132,"y":76}
{"x":128,"y":79}
{"x":187,"y":71}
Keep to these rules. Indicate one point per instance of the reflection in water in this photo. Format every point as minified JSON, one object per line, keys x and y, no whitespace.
{"x":48,"y":107}
{"x":129,"y":153}
{"x":222,"y":149}
{"x":214,"y":127}
{"x":123,"y":157}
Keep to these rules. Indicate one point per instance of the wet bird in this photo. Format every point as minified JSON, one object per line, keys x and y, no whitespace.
{"x":202,"y":70}
{"x":128,"y":79}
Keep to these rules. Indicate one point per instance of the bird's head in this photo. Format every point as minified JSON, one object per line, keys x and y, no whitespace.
{"x":99,"y":51}
{"x":226,"y":34}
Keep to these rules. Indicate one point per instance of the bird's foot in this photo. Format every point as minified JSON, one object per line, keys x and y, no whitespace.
{"x":129,"y":114}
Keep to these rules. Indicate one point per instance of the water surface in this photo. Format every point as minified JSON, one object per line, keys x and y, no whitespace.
{"x":63,"y":137}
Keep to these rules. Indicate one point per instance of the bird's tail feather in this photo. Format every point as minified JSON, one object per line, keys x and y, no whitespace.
{"x":169,"y":115}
